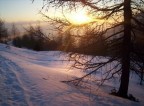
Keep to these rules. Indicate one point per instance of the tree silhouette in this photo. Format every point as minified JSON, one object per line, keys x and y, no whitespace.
{"x":121,"y":25}
{"x":3,"y":31}
{"x":14,"y":31}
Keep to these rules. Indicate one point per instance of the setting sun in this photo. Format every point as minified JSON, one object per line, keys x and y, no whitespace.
{"x":80,"y":18}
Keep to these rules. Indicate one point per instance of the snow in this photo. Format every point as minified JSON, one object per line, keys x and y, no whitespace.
{"x":29,"y":78}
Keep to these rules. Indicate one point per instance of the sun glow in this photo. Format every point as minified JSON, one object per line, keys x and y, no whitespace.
{"x":80,"y":18}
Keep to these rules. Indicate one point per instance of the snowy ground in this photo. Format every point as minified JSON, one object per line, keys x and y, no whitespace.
{"x":29,"y":78}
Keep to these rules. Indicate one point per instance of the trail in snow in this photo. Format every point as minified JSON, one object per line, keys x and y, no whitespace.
{"x":12,"y":92}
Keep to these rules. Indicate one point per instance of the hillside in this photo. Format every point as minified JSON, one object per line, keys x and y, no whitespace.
{"x":29,"y":78}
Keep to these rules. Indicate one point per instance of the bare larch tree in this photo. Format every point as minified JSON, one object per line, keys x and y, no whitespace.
{"x":121,"y":25}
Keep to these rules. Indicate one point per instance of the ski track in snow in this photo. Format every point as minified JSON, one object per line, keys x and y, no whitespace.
{"x":12,"y":72}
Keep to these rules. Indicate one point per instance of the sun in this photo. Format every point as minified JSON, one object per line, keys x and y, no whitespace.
{"x":80,"y":17}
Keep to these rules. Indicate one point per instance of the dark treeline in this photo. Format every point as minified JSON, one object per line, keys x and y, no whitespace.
{"x":35,"y":39}
{"x":89,"y":43}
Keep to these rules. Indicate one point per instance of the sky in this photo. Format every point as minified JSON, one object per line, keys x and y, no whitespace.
{"x":25,"y":10}
{"x":20,"y":10}
{"x":24,"y":13}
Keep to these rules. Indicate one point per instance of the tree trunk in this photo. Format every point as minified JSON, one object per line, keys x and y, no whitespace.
{"x":125,"y":59}
{"x":142,"y":75}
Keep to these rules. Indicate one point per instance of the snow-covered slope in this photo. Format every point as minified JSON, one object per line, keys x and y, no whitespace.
{"x":29,"y":78}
